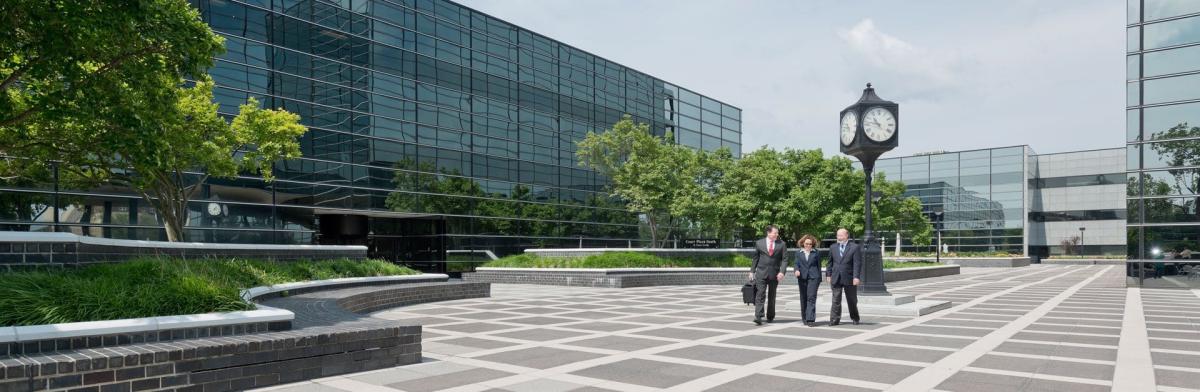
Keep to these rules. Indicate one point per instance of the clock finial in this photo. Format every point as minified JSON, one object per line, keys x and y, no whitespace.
{"x":868,"y":84}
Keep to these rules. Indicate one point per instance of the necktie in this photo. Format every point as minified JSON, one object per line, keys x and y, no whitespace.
{"x":842,"y":251}
{"x":770,"y":248}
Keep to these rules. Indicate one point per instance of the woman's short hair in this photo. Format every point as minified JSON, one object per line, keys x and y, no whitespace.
{"x":800,"y":242}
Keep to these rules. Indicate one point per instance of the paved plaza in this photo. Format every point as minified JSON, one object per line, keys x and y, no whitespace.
{"x":1039,"y":328}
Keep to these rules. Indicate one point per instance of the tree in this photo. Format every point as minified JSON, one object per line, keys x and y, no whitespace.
{"x":1070,"y":245}
{"x":154,"y":159}
{"x":75,"y":74}
{"x":644,"y":170}
{"x":698,"y":197}
{"x":803,"y":192}
{"x":98,"y":86}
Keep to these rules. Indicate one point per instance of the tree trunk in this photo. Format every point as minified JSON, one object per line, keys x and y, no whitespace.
{"x":174,"y":229}
{"x":653,"y":229}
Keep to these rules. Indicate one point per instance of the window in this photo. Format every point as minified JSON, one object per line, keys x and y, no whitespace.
{"x":1171,"y":33}
{"x":1177,"y":88}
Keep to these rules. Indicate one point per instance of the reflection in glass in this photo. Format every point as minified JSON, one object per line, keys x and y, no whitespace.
{"x":1174,"y":153}
{"x":1171,"y":89}
{"x":1176,"y":182}
{"x":1158,"y":9}
{"x":1171,"y":33}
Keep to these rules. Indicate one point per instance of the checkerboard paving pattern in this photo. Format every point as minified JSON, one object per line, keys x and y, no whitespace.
{"x":1061,"y":328}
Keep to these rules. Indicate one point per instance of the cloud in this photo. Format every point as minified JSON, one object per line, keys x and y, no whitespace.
{"x":911,"y":72}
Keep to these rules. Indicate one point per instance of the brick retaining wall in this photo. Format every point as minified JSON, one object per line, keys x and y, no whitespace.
{"x":217,"y":364}
{"x":332,"y":336}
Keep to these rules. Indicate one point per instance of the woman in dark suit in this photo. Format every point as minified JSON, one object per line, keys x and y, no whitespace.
{"x":808,"y":274}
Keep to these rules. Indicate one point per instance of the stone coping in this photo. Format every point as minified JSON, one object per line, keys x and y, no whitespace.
{"x":660,"y":269}
{"x":619,"y":270}
{"x":254,"y":292}
{"x":262,"y":313}
{"x":642,"y":277}
{"x":585,"y":250}
{"x":944,"y":257}
{"x":69,"y":237}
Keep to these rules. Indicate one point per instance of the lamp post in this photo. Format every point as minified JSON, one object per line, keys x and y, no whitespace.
{"x":1081,"y":229}
{"x":869,"y":128}
{"x":937,"y":225}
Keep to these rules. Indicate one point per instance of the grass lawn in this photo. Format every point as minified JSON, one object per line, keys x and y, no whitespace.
{"x":618,"y":260}
{"x":158,"y":287}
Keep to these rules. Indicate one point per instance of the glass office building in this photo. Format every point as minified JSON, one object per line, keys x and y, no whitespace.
{"x":1163,"y":136}
{"x":433,"y":128}
{"x":1011,"y":200}
{"x":981,"y":194}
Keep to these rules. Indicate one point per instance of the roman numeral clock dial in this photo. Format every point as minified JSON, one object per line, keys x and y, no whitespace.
{"x":879,"y":124}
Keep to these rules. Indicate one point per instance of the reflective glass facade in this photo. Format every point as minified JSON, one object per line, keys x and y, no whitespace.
{"x":1163,"y":136}
{"x":443,"y":128}
{"x":981,"y":194}
{"x":1012,"y":200}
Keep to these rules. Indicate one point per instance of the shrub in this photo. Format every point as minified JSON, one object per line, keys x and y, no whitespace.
{"x":158,"y":287}
{"x":619,"y":260}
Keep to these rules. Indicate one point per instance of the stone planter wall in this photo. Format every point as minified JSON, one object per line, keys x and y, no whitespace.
{"x":986,"y":262}
{"x":216,"y":364}
{"x":643,"y":277}
{"x":1084,"y":261}
{"x":689,"y":253}
{"x":202,"y":359}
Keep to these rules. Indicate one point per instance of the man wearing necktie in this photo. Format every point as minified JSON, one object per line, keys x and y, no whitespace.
{"x":844,"y":274}
{"x":767,"y":270}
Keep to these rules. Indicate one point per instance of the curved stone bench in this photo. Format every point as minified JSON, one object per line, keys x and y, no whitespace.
{"x":92,"y":334}
{"x":352,"y":305}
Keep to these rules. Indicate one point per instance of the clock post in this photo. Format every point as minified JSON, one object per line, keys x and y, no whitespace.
{"x":869,"y":128}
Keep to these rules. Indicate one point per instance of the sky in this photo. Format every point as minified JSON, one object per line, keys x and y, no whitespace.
{"x":967,"y":74}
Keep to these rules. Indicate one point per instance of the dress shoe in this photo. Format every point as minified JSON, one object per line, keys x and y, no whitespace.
{"x":810,"y":323}
{"x":855,"y":322}
{"x":757,"y":321}
{"x":770,"y":320}
{"x":834,"y":323}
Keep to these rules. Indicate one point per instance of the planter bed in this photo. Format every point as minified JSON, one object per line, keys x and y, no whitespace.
{"x":642,"y":277}
{"x":319,"y":341}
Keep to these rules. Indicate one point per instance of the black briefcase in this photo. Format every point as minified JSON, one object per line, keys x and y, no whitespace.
{"x":748,"y":293}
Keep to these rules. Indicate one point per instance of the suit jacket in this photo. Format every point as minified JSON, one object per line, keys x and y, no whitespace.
{"x":810,"y":267}
{"x":768,"y":265}
{"x":844,"y":268}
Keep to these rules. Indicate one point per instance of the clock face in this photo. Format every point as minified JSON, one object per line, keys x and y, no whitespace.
{"x":214,"y":209}
{"x":849,"y":127}
{"x":879,"y":124}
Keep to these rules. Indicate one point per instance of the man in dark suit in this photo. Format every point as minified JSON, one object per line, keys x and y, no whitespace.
{"x":766,"y":272}
{"x":844,"y":274}
{"x":808,"y":275}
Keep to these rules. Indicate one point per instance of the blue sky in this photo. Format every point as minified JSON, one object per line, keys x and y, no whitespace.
{"x":967,"y":74}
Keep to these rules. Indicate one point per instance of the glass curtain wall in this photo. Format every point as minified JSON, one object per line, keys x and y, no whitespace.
{"x":1163,"y":141}
{"x":981,"y":194}
{"x":430,"y":118}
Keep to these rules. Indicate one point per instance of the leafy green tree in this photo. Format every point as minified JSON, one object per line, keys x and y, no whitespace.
{"x":801,"y":191}
{"x":697,"y":200}
{"x":155,"y":159}
{"x":644,"y":170}
{"x":75,"y":75}
{"x":98,"y":86}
